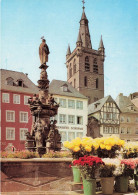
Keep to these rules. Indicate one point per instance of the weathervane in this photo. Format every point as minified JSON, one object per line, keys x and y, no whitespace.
{"x":83,"y":4}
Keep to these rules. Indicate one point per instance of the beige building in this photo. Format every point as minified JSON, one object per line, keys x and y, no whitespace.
{"x":128,"y":117}
{"x":85,"y":65}
{"x":72,"y":114}
{"x":104,"y":118}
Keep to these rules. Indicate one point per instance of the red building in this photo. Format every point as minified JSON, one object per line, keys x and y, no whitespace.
{"x":15,"y":117}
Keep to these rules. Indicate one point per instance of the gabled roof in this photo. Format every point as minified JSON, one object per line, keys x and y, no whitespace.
{"x":28,"y":85}
{"x":56,"y":89}
{"x":92,"y":107}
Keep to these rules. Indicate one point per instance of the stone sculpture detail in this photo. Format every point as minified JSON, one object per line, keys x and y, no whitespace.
{"x":44,"y":135}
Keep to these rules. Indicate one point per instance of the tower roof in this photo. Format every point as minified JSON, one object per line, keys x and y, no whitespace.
{"x":83,"y":17}
{"x":101,"y":45}
{"x":68,"y":50}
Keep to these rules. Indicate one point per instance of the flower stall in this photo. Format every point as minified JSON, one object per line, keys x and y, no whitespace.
{"x":113,"y":158}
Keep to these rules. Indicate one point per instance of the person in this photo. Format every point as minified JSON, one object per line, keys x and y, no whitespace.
{"x":43,"y":52}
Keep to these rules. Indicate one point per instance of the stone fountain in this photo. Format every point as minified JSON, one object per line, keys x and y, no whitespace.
{"x":44,"y":136}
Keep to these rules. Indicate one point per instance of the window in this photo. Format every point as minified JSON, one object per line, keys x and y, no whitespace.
{"x":5,"y":98}
{"x":122,"y":119}
{"x":122,"y":130}
{"x":10,"y":133}
{"x":108,"y":116}
{"x":10,"y":81}
{"x":79,"y":134}
{"x":63,"y":136}
{"x":16,"y":99}
{"x":71,"y":104}
{"x":79,"y":105}
{"x":137,"y":119}
{"x":116,"y":130}
{"x":62,"y":119}
{"x":26,"y":99}
{"x":128,"y":130}
{"x":74,"y":66}
{"x":54,"y":118}
{"x":79,"y":120}
{"x":20,"y":83}
{"x":85,"y":81}
{"x":136,"y":131}
{"x":97,"y":83}
{"x":70,"y":71}
{"x":24,"y":117}
{"x":62,"y":103}
{"x":105,"y":130}
{"x":114,"y":116}
{"x":10,"y":116}
{"x":71,"y":136}
{"x":95,"y":66}
{"x":22,"y":133}
{"x":74,"y":83}
{"x":71,"y":119}
{"x":87,"y":65}
{"x":128,"y":119}
{"x":110,"y":129}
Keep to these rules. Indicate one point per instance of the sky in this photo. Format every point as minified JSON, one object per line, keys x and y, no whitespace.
{"x":24,"y":22}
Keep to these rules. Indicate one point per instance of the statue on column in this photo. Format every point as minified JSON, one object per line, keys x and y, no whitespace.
{"x":43,"y":51}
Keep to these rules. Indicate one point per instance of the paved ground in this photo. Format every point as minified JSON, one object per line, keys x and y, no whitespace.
{"x":57,"y":193}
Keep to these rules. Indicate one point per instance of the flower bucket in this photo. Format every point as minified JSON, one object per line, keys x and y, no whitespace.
{"x":76,"y":174}
{"x":107,"y":184}
{"x":89,"y":186}
{"x":122,"y":183}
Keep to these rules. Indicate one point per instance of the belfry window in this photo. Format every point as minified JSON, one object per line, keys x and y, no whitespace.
{"x":85,"y":81}
{"x":74,"y":66}
{"x":87,"y":64}
{"x":97,"y":83}
{"x":95,"y":66}
{"x":70,"y":71}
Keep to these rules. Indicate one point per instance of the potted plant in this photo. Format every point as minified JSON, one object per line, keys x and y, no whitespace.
{"x":107,"y":174}
{"x":78,"y":148}
{"x":88,"y":166}
{"x":108,"y":146}
{"x":130,"y":150}
{"x":127,"y":170}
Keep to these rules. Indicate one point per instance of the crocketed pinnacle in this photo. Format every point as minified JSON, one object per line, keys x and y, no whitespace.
{"x":68,"y":50}
{"x":101,"y":45}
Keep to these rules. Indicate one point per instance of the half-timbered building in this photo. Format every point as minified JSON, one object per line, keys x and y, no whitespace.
{"x":107,"y":114}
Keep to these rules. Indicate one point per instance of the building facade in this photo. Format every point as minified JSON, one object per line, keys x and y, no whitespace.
{"x":105,"y":114}
{"x":128,"y":117}
{"x":15,"y":117}
{"x":73,"y":110}
{"x":85,"y":65}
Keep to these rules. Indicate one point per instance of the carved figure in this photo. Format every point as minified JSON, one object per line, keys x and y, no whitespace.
{"x":39,"y":134}
{"x":43,"y":52}
{"x":51,"y":100}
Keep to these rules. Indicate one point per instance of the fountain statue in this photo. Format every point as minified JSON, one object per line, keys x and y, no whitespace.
{"x":44,"y":136}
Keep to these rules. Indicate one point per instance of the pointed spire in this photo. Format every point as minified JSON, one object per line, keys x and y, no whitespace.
{"x":101,"y":45}
{"x":68,"y":50}
{"x":79,"y":38}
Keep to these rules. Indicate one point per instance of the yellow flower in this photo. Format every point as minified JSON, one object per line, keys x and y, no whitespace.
{"x":95,"y":145}
{"x":76,"y":149}
{"x":87,"y":148}
{"x":102,"y":146}
{"x":108,"y":147}
{"x":66,"y":144}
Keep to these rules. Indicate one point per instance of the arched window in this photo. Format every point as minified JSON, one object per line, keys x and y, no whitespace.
{"x":85,"y":81}
{"x":87,"y":65}
{"x":95,"y":66}
{"x":70,"y":71}
{"x":74,"y":66}
{"x":74,"y":83}
{"x":97,"y":83}
{"x":10,"y":81}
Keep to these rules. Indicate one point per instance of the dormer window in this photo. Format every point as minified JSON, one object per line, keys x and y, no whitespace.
{"x":64,"y":88}
{"x":10,"y":81}
{"x":20,"y":83}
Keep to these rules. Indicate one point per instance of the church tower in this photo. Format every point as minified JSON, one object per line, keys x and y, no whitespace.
{"x":85,"y":65}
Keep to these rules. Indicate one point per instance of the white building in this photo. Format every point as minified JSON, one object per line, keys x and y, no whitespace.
{"x":72,"y":114}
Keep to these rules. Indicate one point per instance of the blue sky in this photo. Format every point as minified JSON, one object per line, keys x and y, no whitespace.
{"x":23,"y":22}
